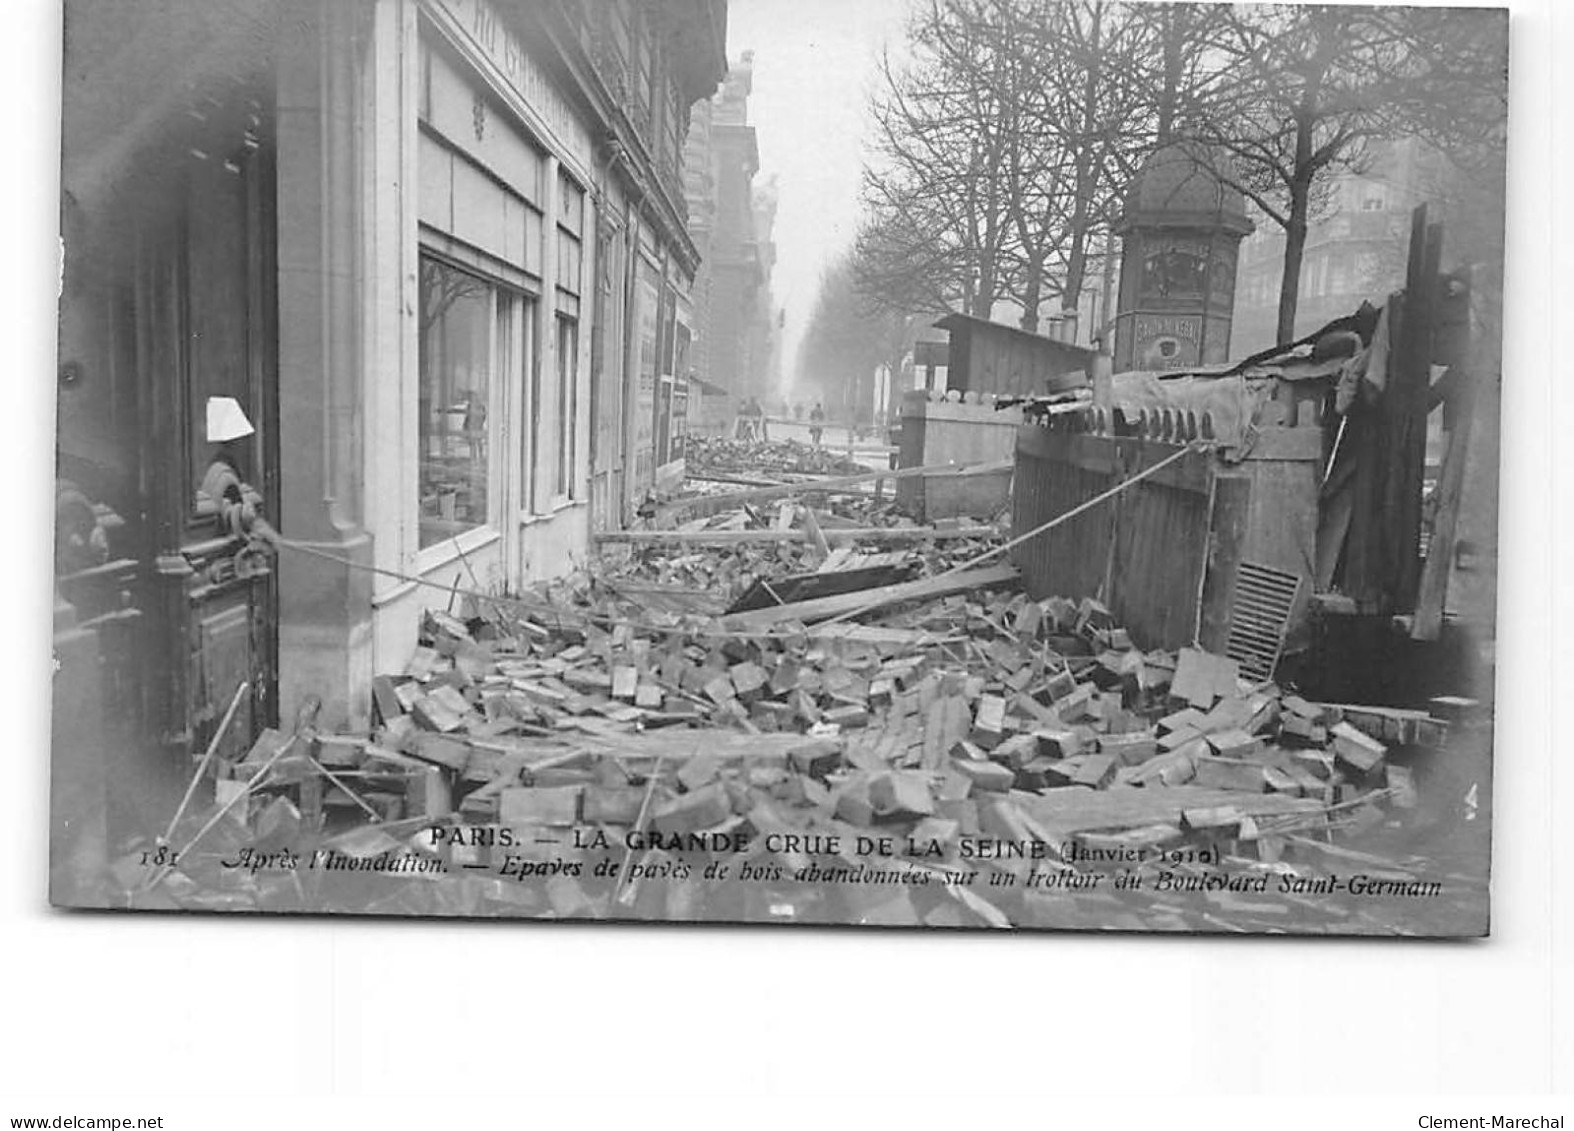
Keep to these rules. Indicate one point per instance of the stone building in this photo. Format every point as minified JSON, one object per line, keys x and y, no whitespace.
{"x":1355,"y":245}
{"x":730,"y":219}
{"x":407,"y":278}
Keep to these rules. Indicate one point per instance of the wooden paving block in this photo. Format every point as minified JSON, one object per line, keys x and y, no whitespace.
{"x":851,"y":803}
{"x":804,"y":707}
{"x":441,"y":750}
{"x":690,"y":812}
{"x":720,"y":688}
{"x":1355,"y":749}
{"x":1016,"y":751}
{"x":1078,"y":705}
{"x":846,"y":715}
{"x":969,"y":752}
{"x":339,"y":751}
{"x":1130,"y":749}
{"x":1185,"y":718}
{"x":1176,"y":739}
{"x":1302,"y":731}
{"x":618,"y":805}
{"x":423,"y":663}
{"x":1058,"y":742}
{"x":556,"y":807}
{"x":1091,"y":771}
{"x":1201,"y":677}
{"x":958,"y":720}
{"x":1235,"y":744}
{"x":985,"y":775}
{"x":699,"y":771}
{"x":748,"y":680}
{"x":436,"y":712}
{"x":816,"y":757}
{"x":784,"y":677}
{"x":648,"y":696}
{"x":1283,"y":781}
{"x":385,"y":696}
{"x":1215,"y":818}
{"x":625,"y":682}
{"x":428,"y":793}
{"x":771,"y":716}
{"x":1230,"y":773}
{"x":901,"y":793}
{"x":1301,"y":708}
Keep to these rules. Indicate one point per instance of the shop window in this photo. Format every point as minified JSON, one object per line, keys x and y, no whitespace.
{"x":567,"y":407}
{"x":458,"y":322}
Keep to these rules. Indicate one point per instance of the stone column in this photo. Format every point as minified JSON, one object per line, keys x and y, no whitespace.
{"x":325,"y":611}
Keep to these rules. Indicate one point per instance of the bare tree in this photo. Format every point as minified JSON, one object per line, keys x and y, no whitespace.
{"x":1305,"y":91}
{"x":937,"y":191}
{"x":848,"y":337}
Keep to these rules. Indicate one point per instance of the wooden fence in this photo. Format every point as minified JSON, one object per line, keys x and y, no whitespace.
{"x":1166,"y":555}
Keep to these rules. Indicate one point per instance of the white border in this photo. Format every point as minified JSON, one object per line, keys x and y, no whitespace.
{"x":610,"y":1021}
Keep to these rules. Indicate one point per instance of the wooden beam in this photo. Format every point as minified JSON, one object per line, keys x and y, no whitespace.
{"x":1432,"y":597}
{"x":832,"y":534}
{"x":822,"y":608}
{"x":837,"y":484}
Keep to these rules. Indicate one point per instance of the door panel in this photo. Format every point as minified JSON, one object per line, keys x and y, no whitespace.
{"x":207,"y":326}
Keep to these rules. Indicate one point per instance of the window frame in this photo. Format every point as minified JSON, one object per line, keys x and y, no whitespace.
{"x":507,"y":351}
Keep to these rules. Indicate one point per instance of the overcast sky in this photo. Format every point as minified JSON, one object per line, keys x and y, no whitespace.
{"x":814,"y":65}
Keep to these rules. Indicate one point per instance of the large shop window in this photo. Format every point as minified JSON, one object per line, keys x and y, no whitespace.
{"x":457,"y":358}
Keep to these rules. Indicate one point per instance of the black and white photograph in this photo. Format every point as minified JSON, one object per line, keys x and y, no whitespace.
{"x":1062,"y":495}
{"x":798,"y":563}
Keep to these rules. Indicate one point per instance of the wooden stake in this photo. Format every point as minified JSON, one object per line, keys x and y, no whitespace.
{"x":202,"y":766}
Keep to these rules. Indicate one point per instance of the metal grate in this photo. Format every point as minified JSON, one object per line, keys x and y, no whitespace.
{"x":1259,"y":616}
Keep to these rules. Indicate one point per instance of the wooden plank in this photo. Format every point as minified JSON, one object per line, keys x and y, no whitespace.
{"x":1072,"y":810}
{"x":825,"y":607}
{"x":713,"y":503}
{"x":1433,"y":594}
{"x":738,"y":537}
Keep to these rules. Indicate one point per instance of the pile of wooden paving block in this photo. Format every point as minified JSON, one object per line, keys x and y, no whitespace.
{"x":977,"y":714}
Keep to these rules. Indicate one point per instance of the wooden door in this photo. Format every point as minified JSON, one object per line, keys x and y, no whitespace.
{"x":205,"y":296}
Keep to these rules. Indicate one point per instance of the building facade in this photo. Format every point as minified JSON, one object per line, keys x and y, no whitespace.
{"x":407,"y":279}
{"x":1355,"y":246}
{"x":731,"y":220}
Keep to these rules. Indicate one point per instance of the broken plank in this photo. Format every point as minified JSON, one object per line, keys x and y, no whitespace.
{"x":822,"y":608}
{"x":712,"y":503}
{"x":738,"y":537}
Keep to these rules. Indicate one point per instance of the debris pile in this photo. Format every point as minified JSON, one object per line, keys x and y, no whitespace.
{"x":719,"y":457}
{"x":977,"y":758}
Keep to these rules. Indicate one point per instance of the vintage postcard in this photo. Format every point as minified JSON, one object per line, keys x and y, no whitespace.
{"x":1010,"y":464}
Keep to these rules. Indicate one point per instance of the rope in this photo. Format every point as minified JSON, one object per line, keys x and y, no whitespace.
{"x":559,"y":613}
{"x":556,"y":612}
{"x":1042,"y":529}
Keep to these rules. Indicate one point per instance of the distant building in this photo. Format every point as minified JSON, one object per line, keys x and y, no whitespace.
{"x":730,"y":221}
{"x":1355,"y":247}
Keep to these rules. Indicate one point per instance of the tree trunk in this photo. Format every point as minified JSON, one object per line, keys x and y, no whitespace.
{"x":1295,"y":229}
{"x":1168,"y":16}
{"x":1294,"y":253}
{"x":1032,"y":294}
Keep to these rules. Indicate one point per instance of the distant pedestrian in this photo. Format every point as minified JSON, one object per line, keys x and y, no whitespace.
{"x":816,"y":424}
